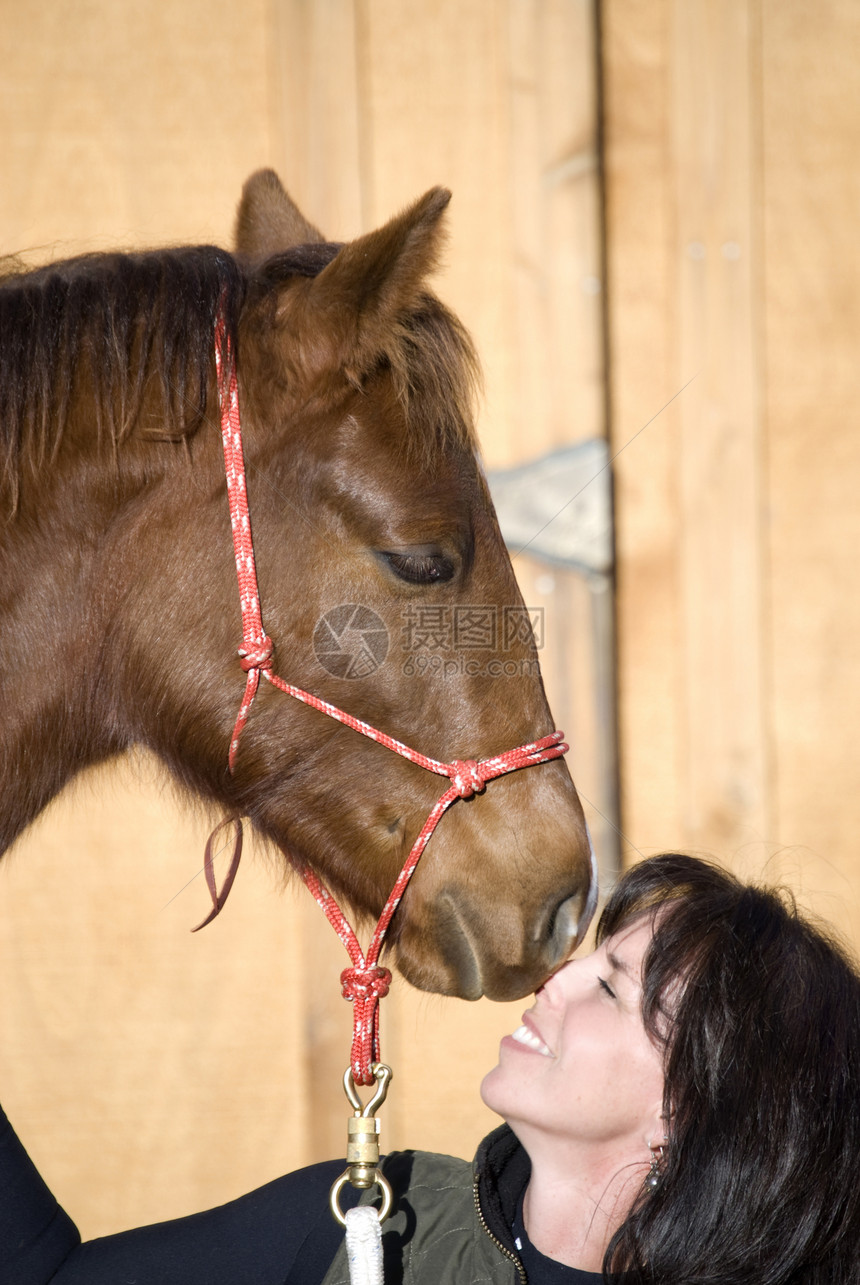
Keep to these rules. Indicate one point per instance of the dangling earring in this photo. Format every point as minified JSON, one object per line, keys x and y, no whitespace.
{"x":653,"y":1179}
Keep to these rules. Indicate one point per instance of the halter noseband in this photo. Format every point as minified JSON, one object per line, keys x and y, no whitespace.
{"x":366,"y":982}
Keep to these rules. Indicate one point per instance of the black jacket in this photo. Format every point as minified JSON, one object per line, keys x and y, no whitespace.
{"x":451,"y":1225}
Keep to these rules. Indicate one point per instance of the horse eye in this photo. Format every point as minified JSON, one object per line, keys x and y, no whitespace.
{"x":420,"y":568}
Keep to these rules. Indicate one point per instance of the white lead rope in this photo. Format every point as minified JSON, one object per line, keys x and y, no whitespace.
{"x":364,"y":1246}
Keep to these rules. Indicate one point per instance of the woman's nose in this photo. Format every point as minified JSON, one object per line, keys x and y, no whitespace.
{"x":555,"y":988}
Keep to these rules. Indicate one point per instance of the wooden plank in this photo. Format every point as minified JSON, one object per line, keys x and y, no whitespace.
{"x":681,"y":198}
{"x":715,"y":144}
{"x":644,"y":394}
{"x":122,"y":126}
{"x":489,"y":107}
{"x":731,"y":189}
{"x":317,"y":94}
{"x":556,"y":252}
{"x":811,"y":318}
{"x":131,"y":1048}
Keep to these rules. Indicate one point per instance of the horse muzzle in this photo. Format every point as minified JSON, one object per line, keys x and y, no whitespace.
{"x":482,"y":947}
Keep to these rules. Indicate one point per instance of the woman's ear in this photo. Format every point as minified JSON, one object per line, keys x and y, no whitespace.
{"x":658,"y":1130}
{"x":657,"y":1142}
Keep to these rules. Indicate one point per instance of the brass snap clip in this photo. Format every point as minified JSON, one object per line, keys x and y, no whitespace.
{"x":362,"y":1150}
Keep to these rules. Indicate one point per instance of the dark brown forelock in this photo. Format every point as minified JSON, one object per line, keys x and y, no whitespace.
{"x":117,"y":323}
{"x":436,"y":375}
{"x":429,"y":353}
{"x":123,"y":319}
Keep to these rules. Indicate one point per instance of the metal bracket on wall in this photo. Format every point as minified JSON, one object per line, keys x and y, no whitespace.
{"x":557,"y":510}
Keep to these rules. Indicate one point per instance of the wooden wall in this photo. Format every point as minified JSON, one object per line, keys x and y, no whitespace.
{"x":151,"y":1072}
{"x":732,"y":131}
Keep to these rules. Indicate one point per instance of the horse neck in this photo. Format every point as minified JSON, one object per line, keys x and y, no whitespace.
{"x":47,"y":628}
{"x":61,"y":708}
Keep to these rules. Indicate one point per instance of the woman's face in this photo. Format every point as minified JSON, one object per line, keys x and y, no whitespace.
{"x":582,"y":1068}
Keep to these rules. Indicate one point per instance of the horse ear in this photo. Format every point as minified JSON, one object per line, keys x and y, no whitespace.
{"x":268,"y":221}
{"x":372,"y":281}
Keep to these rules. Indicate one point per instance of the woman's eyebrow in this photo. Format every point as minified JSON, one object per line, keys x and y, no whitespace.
{"x":621,"y":966}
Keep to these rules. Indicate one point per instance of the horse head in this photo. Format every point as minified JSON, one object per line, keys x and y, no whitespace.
{"x":384,"y":582}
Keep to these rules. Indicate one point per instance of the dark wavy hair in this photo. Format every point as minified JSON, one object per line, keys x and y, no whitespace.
{"x":759,"y":1014}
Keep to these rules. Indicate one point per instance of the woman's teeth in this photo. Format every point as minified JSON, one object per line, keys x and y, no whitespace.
{"x":523,"y":1035}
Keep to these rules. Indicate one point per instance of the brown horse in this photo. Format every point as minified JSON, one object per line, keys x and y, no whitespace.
{"x":371,"y":520}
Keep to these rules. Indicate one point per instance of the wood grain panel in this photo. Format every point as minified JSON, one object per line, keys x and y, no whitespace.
{"x":717,"y":254}
{"x":811,"y":320}
{"x":645,"y":391}
{"x":691,"y":154}
{"x":732,"y":182}
{"x":317,"y":91}
{"x":128,"y":125}
{"x":149,"y":1071}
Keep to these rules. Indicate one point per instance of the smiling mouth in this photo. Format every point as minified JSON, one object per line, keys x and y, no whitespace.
{"x":522,"y":1035}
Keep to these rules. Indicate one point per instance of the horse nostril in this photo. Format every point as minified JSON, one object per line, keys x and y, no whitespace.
{"x":567,"y":924}
{"x":567,"y":920}
{"x":561,"y":928}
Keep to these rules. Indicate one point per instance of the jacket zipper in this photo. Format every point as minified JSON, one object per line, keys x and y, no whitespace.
{"x":507,"y":1253}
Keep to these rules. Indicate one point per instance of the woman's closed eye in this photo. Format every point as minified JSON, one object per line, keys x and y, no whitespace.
{"x":606,"y":987}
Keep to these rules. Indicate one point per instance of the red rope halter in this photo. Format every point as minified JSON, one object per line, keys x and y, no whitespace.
{"x":366,"y":982}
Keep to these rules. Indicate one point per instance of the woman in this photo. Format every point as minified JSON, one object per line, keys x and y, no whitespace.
{"x":683,"y":1107}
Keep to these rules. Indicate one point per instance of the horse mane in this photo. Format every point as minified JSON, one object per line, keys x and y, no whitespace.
{"x":135,"y":326}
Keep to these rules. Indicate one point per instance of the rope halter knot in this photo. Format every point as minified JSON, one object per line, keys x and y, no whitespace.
{"x":256,"y":654}
{"x":368,"y":983}
{"x":467,"y":778}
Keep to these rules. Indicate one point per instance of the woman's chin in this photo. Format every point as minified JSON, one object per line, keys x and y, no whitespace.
{"x":488,"y":1089}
